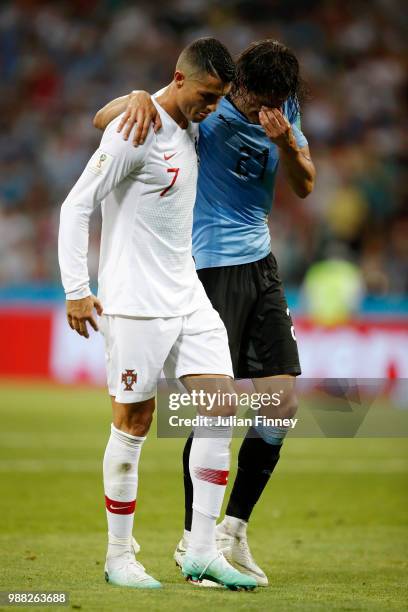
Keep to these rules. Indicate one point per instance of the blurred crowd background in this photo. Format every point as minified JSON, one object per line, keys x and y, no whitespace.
{"x":62,"y":60}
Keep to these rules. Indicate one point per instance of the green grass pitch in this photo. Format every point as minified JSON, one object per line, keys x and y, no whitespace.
{"x":330,"y":530}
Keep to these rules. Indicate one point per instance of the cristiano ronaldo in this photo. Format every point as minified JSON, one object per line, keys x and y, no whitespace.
{"x":154,"y":311}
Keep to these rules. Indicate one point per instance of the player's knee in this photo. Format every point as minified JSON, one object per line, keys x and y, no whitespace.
{"x":288,"y":406}
{"x":227,"y":406}
{"x":136,"y":419}
{"x":230,"y":409}
{"x":139,"y":421}
{"x":139,"y":425}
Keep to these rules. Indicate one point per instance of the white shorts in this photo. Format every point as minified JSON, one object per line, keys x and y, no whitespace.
{"x":138,"y":349}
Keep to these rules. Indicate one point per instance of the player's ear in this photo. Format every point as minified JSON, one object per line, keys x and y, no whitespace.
{"x":179,"y":78}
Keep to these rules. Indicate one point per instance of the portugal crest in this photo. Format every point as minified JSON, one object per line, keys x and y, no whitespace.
{"x":129,"y":378}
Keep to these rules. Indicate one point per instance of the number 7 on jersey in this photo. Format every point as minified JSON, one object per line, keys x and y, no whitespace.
{"x":174,"y":179}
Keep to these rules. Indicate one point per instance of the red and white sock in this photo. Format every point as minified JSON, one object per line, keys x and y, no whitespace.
{"x":209,"y":469}
{"x":120,"y":477}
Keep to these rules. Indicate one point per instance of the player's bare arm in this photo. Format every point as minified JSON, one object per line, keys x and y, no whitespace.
{"x":137,"y":108}
{"x":297,"y":161}
{"x":80,"y":312}
{"x":110,"y":111}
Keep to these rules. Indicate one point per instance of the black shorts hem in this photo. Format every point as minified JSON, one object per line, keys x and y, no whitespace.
{"x":293,"y":370}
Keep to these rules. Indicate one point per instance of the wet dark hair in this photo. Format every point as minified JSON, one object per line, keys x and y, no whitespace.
{"x":269,"y":69}
{"x":211,"y":56}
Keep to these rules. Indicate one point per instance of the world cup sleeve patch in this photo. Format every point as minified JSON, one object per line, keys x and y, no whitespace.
{"x":100,"y":162}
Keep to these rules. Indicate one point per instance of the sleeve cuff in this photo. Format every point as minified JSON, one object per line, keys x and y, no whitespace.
{"x":79,"y":294}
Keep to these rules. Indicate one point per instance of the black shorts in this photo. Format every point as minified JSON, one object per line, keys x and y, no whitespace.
{"x":251,"y":301}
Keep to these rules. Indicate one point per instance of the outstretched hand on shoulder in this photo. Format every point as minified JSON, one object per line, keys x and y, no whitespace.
{"x":142,"y":111}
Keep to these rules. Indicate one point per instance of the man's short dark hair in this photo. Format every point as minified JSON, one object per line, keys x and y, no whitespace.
{"x":211,"y":56}
{"x":269,"y":69}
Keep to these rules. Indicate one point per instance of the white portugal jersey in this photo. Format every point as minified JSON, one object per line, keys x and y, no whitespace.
{"x":147,"y":194}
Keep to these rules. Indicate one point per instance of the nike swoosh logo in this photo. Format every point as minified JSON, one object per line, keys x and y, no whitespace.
{"x":118,"y":507}
{"x":167,"y":157}
{"x":246,"y":569}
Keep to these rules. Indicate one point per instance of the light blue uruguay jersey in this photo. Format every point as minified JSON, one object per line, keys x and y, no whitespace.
{"x":236,"y":180}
